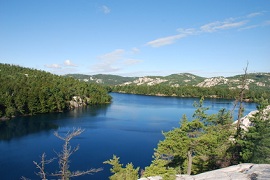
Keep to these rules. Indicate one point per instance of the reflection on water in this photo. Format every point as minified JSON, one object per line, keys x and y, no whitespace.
{"x":23,"y":126}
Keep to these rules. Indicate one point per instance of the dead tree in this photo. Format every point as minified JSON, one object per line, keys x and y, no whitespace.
{"x":41,"y":166}
{"x":63,"y":159}
{"x":240,"y":100}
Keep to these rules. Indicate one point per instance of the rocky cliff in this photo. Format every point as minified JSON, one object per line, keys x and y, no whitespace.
{"x":246,"y":171}
{"x":245,"y":121}
{"x":254,"y":80}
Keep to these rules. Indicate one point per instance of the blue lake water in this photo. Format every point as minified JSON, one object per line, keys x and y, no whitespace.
{"x":130,"y":127}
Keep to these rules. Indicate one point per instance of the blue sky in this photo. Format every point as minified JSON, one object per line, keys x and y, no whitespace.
{"x":137,"y":37}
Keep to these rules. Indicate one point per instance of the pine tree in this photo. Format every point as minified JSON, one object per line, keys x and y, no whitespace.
{"x":120,"y":172}
{"x":256,"y":141}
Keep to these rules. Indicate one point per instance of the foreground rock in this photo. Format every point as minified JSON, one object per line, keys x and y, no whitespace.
{"x":246,"y":171}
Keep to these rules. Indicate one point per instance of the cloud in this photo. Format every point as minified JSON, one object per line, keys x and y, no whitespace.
{"x":239,"y":23}
{"x":114,"y":61}
{"x":189,"y":31}
{"x":132,"y":61}
{"x":207,"y":28}
{"x":165,"y":40}
{"x":69,"y":63}
{"x":265,"y":23}
{"x":109,"y":61}
{"x":105,"y":67}
{"x":215,"y":26}
{"x":53,"y":66}
{"x":113,"y":56}
{"x":251,"y":15}
{"x":135,"y":50}
{"x":249,"y":27}
{"x":105,"y":9}
{"x":62,"y":68}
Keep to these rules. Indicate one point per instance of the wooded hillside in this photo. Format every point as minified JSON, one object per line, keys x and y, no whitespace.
{"x":26,"y":91}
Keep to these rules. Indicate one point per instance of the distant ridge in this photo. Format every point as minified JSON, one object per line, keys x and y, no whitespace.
{"x":254,"y":80}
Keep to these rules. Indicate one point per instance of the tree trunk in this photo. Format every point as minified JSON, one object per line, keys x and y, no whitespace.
{"x":189,"y":162}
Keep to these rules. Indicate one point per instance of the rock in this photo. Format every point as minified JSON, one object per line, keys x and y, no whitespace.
{"x":246,"y":171}
{"x":76,"y":101}
{"x":245,"y":121}
{"x":213,"y":82}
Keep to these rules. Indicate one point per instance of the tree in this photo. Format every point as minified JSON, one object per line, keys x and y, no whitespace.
{"x":127,"y":173}
{"x":178,"y":147}
{"x":240,"y":99}
{"x":63,"y":157}
{"x":255,"y":144}
{"x":196,"y":146}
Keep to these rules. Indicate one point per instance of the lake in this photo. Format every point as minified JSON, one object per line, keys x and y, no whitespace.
{"x":130,"y":127}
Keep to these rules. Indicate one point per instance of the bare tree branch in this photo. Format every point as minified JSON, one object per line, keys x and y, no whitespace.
{"x":41,"y":166}
{"x":241,"y":98}
{"x":81,"y":173}
{"x":63,"y":159}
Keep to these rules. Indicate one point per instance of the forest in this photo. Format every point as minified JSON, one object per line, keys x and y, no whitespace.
{"x":192,"y":91}
{"x":26,"y":91}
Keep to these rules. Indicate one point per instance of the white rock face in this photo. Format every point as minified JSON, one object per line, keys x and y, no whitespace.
{"x":99,"y":81}
{"x":246,"y":171}
{"x":245,"y":121}
{"x":240,"y":86}
{"x":213,"y":82}
{"x":148,"y":81}
{"x":77,"y":102}
{"x":260,"y":84}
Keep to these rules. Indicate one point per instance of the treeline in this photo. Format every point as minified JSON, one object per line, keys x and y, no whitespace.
{"x":25,"y":91}
{"x":192,"y":91}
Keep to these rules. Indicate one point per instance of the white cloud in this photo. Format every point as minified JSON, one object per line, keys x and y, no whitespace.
{"x":266,"y":23}
{"x":110,"y":61}
{"x":113,"y":56}
{"x":211,"y":27}
{"x":69,"y":63}
{"x":113,"y":61}
{"x":63,"y":68}
{"x":135,"y":50}
{"x":240,"y":23}
{"x":105,"y":9}
{"x":53,"y":66}
{"x":131,"y":61}
{"x":105,"y":67}
{"x":251,"y":15}
{"x":249,"y":27}
{"x":165,"y":40}
{"x":215,"y":26}
{"x":189,"y":31}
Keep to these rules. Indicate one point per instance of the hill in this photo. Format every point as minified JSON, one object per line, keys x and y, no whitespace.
{"x":26,"y":91}
{"x":257,"y":85}
{"x":102,"y":78}
{"x":254,"y":80}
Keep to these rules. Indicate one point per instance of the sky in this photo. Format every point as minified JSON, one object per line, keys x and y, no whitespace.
{"x":208,"y":38}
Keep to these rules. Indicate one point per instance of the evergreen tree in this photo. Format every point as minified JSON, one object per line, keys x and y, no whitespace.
{"x":28,"y":91}
{"x":119,"y":172}
{"x":255,"y":143}
{"x":196,"y":146}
